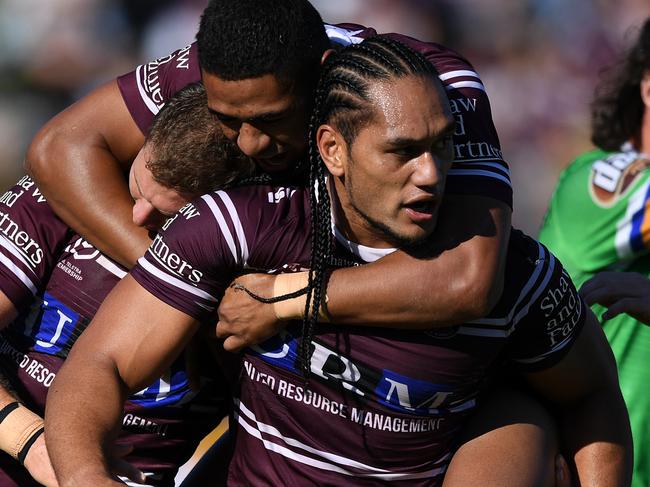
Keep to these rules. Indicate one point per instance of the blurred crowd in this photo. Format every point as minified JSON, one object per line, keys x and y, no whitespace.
{"x":539,"y":59}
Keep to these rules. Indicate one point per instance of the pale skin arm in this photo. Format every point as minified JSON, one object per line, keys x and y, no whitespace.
{"x":457,"y":279}
{"x":37,"y":461}
{"x":79,"y":159}
{"x":619,"y":292}
{"x":132,"y":339}
{"x":594,"y":424}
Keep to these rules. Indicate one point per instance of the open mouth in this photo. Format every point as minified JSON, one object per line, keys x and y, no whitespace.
{"x":422,"y":210}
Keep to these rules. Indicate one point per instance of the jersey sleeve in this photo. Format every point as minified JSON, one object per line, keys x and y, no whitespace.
{"x":31,"y":239}
{"x":146,"y":89}
{"x":193,"y":259}
{"x":548,"y":324}
{"x":478,"y":168}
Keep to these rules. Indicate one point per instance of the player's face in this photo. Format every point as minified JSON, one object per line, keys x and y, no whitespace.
{"x":153,"y":202}
{"x":393,"y":179}
{"x":265,"y":117}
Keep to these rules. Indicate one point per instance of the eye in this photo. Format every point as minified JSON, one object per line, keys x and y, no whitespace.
{"x":442,"y":144}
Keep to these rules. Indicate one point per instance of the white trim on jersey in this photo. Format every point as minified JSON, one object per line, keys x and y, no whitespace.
{"x":465,"y":84}
{"x":510,"y":320}
{"x":153,"y":108}
{"x":459,"y":73}
{"x":478,"y":172}
{"x":111,"y":267}
{"x":239,"y":229}
{"x":15,"y":251}
{"x":258,"y":428}
{"x":223,"y":226}
{"x":636,"y":203}
{"x":342,"y":36}
{"x":173,"y":280}
{"x":18,"y":273}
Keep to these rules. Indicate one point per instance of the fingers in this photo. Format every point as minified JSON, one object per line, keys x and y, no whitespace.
{"x":125,"y":469}
{"x":120,"y":451}
{"x":234,"y":344}
{"x":625,"y":305}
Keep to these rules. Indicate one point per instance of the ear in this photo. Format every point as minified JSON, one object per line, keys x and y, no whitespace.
{"x":326,"y":54}
{"x":332,"y":149}
{"x":645,"y":89}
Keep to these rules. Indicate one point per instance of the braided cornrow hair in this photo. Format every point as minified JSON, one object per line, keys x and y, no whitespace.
{"x":342,"y":100}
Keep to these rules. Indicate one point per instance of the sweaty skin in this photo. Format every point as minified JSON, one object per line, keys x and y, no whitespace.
{"x":92,"y":143}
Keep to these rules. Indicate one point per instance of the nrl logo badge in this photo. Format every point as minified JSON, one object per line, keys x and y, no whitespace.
{"x":611,"y":178}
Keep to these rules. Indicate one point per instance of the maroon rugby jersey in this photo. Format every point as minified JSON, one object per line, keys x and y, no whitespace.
{"x":380,"y":404}
{"x":57,"y":281}
{"x":478,"y":168}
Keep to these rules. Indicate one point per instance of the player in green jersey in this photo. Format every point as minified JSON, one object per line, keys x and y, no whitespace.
{"x":599,"y":220}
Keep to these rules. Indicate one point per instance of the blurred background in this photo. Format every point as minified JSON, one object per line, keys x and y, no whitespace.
{"x":539,"y":60}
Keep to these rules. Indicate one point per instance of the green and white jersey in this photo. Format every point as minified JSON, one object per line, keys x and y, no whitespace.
{"x":599,"y":219}
{"x":599,"y":216}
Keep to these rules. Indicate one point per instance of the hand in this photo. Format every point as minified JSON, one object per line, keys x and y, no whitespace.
{"x":244,"y":321}
{"x":620,"y":292}
{"x":37,"y":463}
{"x":121,"y":467}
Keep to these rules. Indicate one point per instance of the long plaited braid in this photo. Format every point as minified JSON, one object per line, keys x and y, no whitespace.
{"x":342,"y":100}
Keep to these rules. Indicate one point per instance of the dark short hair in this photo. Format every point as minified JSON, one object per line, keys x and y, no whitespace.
{"x":189,"y":153}
{"x":617,"y":109}
{"x":240,"y":39}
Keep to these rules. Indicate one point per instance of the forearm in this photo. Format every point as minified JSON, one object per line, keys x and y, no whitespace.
{"x":83,"y":414}
{"x":596,"y":434}
{"x":459,"y":278}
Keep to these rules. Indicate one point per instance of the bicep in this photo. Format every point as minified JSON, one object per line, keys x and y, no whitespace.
{"x":136,"y":333}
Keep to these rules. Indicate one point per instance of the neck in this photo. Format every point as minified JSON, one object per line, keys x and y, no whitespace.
{"x":644,"y":136}
{"x":349,"y":222}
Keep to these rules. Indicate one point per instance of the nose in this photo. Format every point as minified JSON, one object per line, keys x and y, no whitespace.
{"x":252,"y":141}
{"x":427,"y":172}
{"x":145,"y":215}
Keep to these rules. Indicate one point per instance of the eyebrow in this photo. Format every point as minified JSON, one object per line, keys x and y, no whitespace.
{"x":446,"y":131}
{"x":262,"y":117}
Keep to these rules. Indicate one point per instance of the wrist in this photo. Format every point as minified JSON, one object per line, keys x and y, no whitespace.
{"x":294,"y":308}
{"x":19,"y":429}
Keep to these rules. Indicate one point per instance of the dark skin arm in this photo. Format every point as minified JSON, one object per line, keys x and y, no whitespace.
{"x":457,"y":278}
{"x":79,"y":159}
{"x":594,"y":424}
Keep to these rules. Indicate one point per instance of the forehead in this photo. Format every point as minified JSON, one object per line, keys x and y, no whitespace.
{"x":412,"y":106}
{"x":251,"y":97}
{"x":164,"y":199}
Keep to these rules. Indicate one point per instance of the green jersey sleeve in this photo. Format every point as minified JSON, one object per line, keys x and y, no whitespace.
{"x":599,"y":215}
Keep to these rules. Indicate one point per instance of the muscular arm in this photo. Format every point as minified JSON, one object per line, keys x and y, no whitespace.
{"x":132,"y":339}
{"x":460,"y":278}
{"x":594,"y":424}
{"x":78,"y":160}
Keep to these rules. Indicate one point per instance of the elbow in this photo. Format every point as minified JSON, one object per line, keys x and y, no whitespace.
{"x":35,"y":159}
{"x":478,"y":295}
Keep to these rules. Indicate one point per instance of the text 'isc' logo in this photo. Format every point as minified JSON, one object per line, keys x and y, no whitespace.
{"x":612,"y":177}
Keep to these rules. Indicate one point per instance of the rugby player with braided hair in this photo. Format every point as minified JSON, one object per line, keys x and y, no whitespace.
{"x":330,"y":405}
{"x":259,"y":61}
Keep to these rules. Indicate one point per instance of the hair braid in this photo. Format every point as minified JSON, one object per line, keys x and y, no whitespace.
{"x":342,"y":98}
